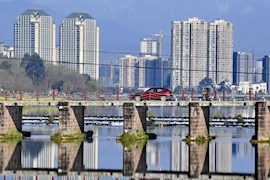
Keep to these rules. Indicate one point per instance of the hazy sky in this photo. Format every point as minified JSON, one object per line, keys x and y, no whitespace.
{"x":123,"y":22}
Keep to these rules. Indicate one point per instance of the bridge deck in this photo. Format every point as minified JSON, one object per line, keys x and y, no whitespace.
{"x":140,"y":103}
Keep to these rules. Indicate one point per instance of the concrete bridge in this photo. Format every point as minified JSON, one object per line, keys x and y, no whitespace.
{"x":71,"y":114}
{"x":71,"y":163}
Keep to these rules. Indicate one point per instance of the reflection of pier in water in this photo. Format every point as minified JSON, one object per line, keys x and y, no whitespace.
{"x":73,"y":160}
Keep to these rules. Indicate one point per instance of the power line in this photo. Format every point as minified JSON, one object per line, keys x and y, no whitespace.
{"x":130,"y":66}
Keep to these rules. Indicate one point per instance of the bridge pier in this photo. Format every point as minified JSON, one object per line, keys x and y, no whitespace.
{"x":10,"y":119}
{"x":71,"y":118}
{"x":198,"y":121}
{"x":262,"y":123}
{"x":134,"y":122}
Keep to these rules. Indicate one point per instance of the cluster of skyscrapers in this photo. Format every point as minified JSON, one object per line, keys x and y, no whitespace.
{"x":35,"y":32}
{"x":147,"y":70}
{"x":199,"y":49}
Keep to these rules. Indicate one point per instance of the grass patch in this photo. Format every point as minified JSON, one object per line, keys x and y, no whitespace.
{"x":40,"y":110}
{"x":255,"y":141}
{"x":128,"y":139}
{"x":199,"y":140}
{"x":13,"y":136}
{"x":68,"y":138}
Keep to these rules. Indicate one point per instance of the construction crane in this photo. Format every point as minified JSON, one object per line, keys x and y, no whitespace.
{"x":160,"y":36}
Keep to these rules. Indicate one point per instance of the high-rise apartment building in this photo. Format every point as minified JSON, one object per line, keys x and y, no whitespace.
{"x":127,"y":71}
{"x":141,"y":72}
{"x":149,"y":46}
{"x":259,"y":71}
{"x":1,"y":49}
{"x":79,"y":44}
{"x":189,"y":52}
{"x":220,"y":51}
{"x":34,"y":32}
{"x":149,"y":72}
{"x":200,"y":49}
{"x":266,"y":71}
{"x":243,"y":67}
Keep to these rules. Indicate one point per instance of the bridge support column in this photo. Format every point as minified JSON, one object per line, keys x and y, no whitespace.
{"x":71,"y":118}
{"x":198,"y":121}
{"x":134,"y":123}
{"x":134,"y":117}
{"x":10,"y":119}
{"x":262,"y":123}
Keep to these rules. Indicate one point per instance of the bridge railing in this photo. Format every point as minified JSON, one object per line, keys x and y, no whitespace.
{"x":116,"y":96}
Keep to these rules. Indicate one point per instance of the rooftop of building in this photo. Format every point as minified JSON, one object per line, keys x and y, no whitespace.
{"x":79,"y":15}
{"x":35,"y":12}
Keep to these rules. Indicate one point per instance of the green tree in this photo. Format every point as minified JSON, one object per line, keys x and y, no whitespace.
{"x":6,"y":66}
{"x":92,"y":85}
{"x":35,"y":69}
{"x":224,"y":87}
{"x":58,"y":85}
{"x":26,"y":58}
{"x":204,"y":83}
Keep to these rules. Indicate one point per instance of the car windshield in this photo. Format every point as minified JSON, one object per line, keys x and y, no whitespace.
{"x":150,"y":90}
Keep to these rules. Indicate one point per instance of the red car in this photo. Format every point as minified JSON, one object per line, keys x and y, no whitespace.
{"x":162,"y":94}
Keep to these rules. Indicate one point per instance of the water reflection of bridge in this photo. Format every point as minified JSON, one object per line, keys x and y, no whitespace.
{"x":198,"y":161}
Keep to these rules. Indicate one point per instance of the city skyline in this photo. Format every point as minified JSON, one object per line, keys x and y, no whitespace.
{"x":122,"y":33}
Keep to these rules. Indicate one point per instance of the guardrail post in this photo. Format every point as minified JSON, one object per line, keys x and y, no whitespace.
{"x":20,"y":94}
{"x":130,"y":95}
{"x":37,"y":95}
{"x":68,"y":93}
{"x":5,"y":95}
{"x":215,"y":95}
{"x":117,"y":95}
{"x":99,"y":95}
{"x":183,"y":95}
{"x":53,"y":93}
{"x":192,"y":94}
{"x":84,"y":94}
{"x":256,"y":96}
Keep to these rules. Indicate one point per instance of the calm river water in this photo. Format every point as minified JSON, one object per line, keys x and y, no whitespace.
{"x":229,"y":154}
